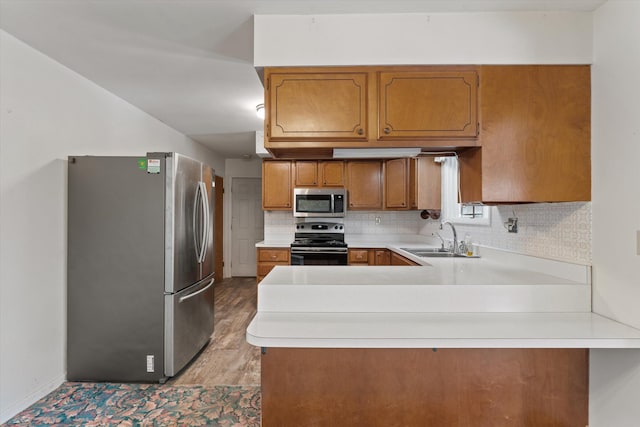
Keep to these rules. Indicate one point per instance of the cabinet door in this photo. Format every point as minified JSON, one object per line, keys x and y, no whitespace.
{"x":277,"y":190}
{"x":425,"y":104}
{"x":536,"y":136}
{"x":400,"y":260}
{"x":428,"y":184}
{"x":364,"y":184}
{"x":306,"y":173}
{"x":331,"y":173}
{"x":396,"y":184}
{"x":382,"y":257}
{"x":358,"y":256}
{"x":317,"y":106}
{"x":269,"y":258}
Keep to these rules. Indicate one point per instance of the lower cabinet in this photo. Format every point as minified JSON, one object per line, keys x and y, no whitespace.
{"x":381,"y":257}
{"x":358,"y":256}
{"x":480,"y":387}
{"x":269,"y":258}
{"x":400,"y":260}
{"x":371,"y":256}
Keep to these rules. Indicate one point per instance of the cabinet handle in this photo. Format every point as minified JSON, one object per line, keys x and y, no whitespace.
{"x":387,"y":130}
{"x":274,"y":256}
{"x":360,"y":131}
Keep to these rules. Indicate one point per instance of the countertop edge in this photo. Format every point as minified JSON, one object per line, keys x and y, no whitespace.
{"x":313,"y":340}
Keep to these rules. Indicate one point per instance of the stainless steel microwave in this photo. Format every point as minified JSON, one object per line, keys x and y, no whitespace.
{"x":319,"y":202}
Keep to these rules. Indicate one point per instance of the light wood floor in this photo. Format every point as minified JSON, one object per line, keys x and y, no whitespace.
{"x":228,"y":359}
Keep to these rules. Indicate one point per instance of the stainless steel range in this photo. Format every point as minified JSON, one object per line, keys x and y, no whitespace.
{"x":319,"y":243}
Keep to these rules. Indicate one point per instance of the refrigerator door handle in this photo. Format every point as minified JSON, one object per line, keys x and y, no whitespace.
{"x":202,"y":230}
{"x":204,"y":204}
{"x":207,"y":221}
{"x":195,"y":223}
{"x":184,"y":298}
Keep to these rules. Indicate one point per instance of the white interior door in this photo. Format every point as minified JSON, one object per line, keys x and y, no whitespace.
{"x":247,"y":224}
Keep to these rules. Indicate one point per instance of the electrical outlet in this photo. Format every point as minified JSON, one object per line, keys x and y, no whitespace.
{"x":378,"y":220}
{"x":512,"y":225}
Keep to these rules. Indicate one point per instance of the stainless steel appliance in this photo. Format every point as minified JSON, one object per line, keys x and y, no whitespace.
{"x":140,"y":265}
{"x":319,"y":202}
{"x":319,"y":243}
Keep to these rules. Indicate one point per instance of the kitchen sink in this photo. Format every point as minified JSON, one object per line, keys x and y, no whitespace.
{"x":435,"y":253}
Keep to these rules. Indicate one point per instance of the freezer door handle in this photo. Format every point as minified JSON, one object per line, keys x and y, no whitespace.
{"x":186,"y":297}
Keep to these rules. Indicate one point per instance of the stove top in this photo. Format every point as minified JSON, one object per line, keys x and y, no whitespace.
{"x":314,"y":243}
{"x":319,"y":234}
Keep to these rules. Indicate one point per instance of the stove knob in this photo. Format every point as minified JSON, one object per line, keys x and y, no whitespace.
{"x":341,"y":227}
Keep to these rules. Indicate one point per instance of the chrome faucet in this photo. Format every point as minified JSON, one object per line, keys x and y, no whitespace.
{"x":455,"y":236}
{"x":441,"y":239}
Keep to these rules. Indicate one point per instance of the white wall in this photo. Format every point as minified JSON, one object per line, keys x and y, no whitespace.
{"x":615,"y":375}
{"x":49,"y":112}
{"x":235,"y":168}
{"x":438,"y":38}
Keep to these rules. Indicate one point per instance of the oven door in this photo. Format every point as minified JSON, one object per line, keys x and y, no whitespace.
{"x":318,"y":256}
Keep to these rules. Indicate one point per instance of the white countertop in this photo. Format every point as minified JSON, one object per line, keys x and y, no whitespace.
{"x":274,"y":243}
{"x":440,"y":330}
{"x":500,"y":300}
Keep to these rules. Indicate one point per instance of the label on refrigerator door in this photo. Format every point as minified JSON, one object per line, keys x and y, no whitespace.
{"x":150,"y":363}
{"x":153,"y":166}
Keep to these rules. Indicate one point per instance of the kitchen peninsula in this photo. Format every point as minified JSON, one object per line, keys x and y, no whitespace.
{"x":486,"y":341}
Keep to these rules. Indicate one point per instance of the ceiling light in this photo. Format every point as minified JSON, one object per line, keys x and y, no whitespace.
{"x":260,"y":111}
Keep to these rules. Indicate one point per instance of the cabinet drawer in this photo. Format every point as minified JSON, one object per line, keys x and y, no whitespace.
{"x":273,"y":255}
{"x":358,"y":256}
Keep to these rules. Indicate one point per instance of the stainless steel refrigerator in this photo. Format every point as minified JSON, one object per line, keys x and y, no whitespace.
{"x":140,"y":265}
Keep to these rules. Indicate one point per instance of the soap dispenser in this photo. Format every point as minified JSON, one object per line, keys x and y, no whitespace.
{"x":468,"y":245}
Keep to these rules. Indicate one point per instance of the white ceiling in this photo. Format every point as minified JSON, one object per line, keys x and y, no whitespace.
{"x":189,"y":63}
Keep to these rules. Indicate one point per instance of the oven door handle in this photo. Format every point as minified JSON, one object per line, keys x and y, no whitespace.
{"x":320,"y":252}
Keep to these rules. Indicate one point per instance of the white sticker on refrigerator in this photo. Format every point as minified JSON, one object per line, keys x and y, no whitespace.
{"x":150,"y":363}
{"x":153,"y":166}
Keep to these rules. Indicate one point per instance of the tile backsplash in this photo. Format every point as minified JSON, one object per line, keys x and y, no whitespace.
{"x":559,"y":231}
{"x":279,"y":224}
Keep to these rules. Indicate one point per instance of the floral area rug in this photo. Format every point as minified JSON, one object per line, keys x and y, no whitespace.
{"x":105,"y":404}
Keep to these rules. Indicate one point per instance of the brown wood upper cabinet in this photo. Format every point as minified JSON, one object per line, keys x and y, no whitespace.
{"x":535,"y":136}
{"x":428,"y":104}
{"x":277,"y":188}
{"x":317,"y":106}
{"x":364,"y":184}
{"x":412,"y":184}
{"x":323,"y":173}
{"x":425,"y":186}
{"x":311,"y":110}
{"x":331,"y":173}
{"x":396,"y":184}
{"x":306,"y":173}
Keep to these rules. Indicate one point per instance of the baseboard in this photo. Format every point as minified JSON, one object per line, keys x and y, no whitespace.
{"x":12,"y":409}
